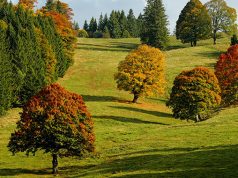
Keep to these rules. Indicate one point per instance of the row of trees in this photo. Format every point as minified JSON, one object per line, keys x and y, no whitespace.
{"x":197,"y":94}
{"x":35,"y":49}
{"x":198,"y":21}
{"x":117,"y":25}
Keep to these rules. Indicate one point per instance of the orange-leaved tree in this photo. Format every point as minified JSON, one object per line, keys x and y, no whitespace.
{"x":56,"y":121}
{"x":227,"y":74}
{"x":195,"y":94}
{"x":142,"y":72}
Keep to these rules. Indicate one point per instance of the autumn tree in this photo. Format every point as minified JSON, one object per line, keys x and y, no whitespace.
{"x":155,"y":31}
{"x":195,"y":94}
{"x":223,"y":17}
{"x":226,"y":71}
{"x":142,"y":72}
{"x":194,"y":23}
{"x":56,"y":121}
{"x":28,"y":4}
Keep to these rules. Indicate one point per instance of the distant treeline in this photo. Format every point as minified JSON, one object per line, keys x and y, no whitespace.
{"x":117,"y":25}
{"x":32,"y":54}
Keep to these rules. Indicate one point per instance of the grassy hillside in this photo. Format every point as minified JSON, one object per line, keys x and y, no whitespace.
{"x":135,"y":140}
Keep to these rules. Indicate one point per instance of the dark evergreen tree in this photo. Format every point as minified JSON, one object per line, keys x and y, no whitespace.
{"x":114,"y":26}
{"x":105,"y":23}
{"x":123,"y":25}
{"x":92,"y":27}
{"x":155,"y":32}
{"x":132,"y":24}
{"x":86,"y":26}
{"x":100,"y":24}
{"x":234,"y":40}
{"x":139,"y":23}
{"x":194,"y":23}
{"x":6,"y":79}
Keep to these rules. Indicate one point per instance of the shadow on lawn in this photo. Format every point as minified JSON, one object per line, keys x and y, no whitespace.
{"x":202,"y":163}
{"x":129,"y":120}
{"x":114,"y":46}
{"x":15,"y":172}
{"x":91,"y":98}
{"x":155,"y":113}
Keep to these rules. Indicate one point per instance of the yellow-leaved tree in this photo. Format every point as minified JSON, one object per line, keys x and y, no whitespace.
{"x":142,"y":72}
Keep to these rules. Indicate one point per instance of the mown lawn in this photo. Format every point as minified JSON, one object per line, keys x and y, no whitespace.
{"x":135,"y":140}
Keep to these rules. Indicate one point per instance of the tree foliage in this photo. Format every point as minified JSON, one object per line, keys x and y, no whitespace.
{"x":194,"y":23}
{"x":195,"y":94}
{"x":56,"y":121}
{"x":223,"y":17}
{"x":28,"y":4}
{"x":33,"y":54}
{"x":142,"y":72}
{"x":155,"y":32}
{"x":227,"y":74}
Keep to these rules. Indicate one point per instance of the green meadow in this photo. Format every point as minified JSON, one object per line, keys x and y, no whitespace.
{"x":135,"y":140}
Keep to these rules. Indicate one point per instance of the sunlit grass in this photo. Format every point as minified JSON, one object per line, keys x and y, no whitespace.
{"x":135,"y":140}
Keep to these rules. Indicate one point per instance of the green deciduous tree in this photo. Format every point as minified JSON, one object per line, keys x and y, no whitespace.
{"x":55,"y":121}
{"x":195,"y":94}
{"x":155,"y":32}
{"x":142,"y":72}
{"x":194,"y":23}
{"x":223,"y":17}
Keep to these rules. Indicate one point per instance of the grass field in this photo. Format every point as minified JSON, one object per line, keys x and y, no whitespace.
{"x":135,"y":140}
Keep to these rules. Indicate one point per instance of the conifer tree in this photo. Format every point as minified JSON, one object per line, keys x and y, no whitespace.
{"x":132,"y":24}
{"x":123,"y":25}
{"x":6,"y":79}
{"x":139,"y":22}
{"x":85,"y":26}
{"x":105,"y":22}
{"x":114,"y":26}
{"x":155,"y":32}
{"x":194,"y":23}
{"x":100,"y":24}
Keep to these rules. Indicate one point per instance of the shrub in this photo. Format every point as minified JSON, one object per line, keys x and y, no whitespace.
{"x":195,"y":94}
{"x":55,"y":121}
{"x":82,"y":34}
{"x":142,"y":72}
{"x":97,"y":34}
{"x":227,"y":74}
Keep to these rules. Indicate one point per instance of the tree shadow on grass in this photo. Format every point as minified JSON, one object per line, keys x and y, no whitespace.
{"x":15,"y":172}
{"x":123,"y":45}
{"x":174,"y":47}
{"x":128,"y":120}
{"x":91,"y":98}
{"x":155,"y":113}
{"x":206,"y":162}
{"x":210,"y":55}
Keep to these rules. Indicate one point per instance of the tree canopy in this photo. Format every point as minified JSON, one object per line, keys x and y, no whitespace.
{"x":194,"y":23}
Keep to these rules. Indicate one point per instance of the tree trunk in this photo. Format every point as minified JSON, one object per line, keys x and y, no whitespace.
{"x":55,"y":164}
{"x":195,"y":43}
{"x":136,"y":96}
{"x":191,"y":44}
{"x":214,"y":37}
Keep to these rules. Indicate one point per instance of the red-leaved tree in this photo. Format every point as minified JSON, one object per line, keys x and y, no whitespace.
{"x":227,"y":74}
{"x":56,"y":121}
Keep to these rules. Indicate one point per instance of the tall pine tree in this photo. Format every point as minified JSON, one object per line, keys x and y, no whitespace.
{"x":132,"y":24}
{"x":155,"y":32}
